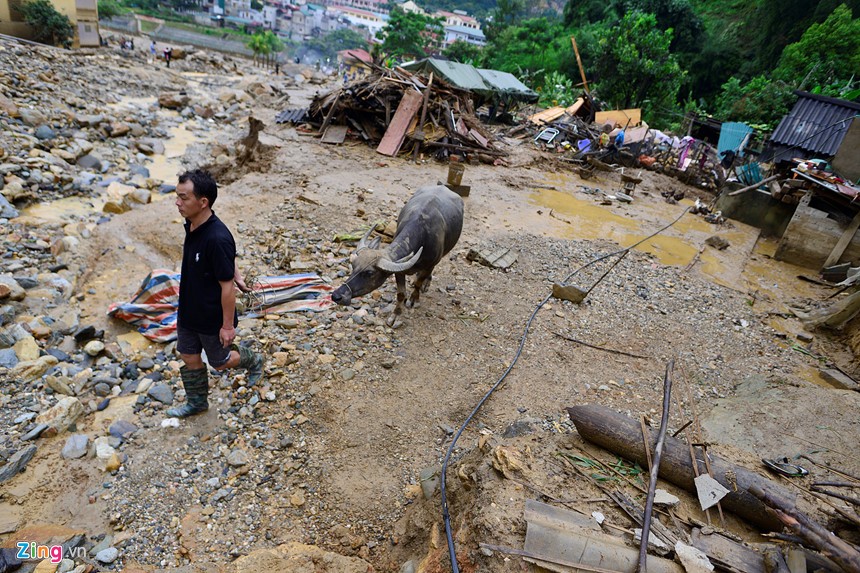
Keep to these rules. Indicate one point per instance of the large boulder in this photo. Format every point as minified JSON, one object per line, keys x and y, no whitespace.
{"x":173,"y":100}
{"x":63,"y":415}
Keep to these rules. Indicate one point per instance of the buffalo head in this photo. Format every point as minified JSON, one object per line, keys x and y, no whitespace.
{"x":370,"y":267}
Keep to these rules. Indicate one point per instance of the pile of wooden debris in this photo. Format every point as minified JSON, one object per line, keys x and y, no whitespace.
{"x":396,"y":110}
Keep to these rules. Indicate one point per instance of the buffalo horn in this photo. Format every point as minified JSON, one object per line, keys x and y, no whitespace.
{"x":362,"y":244}
{"x":403,"y":264}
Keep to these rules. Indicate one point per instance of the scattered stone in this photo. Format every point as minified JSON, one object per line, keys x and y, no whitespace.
{"x":35,"y":432}
{"x":17,"y":463}
{"x":122,"y":429}
{"x":663,"y":497}
{"x":63,"y":415}
{"x":76,"y":446}
{"x":94,"y":347}
{"x":710,"y":491}
{"x":108,"y":555}
{"x":162,"y":393}
{"x":238,"y":458}
{"x":717,"y":242}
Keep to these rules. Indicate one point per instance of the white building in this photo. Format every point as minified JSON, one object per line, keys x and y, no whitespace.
{"x":465,"y":34}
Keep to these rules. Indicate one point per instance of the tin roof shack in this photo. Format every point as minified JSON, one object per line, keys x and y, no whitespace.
{"x":816,"y":128}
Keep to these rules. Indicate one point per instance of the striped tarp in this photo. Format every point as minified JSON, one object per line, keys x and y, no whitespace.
{"x":153,"y":308}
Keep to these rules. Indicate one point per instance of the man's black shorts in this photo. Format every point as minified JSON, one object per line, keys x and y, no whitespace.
{"x":190,"y":342}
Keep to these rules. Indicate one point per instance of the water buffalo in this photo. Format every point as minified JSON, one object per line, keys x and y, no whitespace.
{"x":428,"y":227}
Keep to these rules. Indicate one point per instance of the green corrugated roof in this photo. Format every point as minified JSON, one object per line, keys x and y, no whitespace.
{"x":508,"y":84}
{"x":483,"y":82}
{"x":460,"y":75}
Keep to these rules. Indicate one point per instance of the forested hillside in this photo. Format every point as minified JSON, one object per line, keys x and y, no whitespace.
{"x":734,"y":59}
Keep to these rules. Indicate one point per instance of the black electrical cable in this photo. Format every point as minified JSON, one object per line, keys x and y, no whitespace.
{"x":445,"y":514}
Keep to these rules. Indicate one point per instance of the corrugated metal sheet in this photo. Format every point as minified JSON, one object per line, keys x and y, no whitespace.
{"x":816,"y":123}
{"x":508,"y":84}
{"x":484,"y":82}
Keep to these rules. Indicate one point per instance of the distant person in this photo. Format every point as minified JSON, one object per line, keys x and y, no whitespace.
{"x":207,"y":297}
{"x":152,"y":49}
{"x":168,"y":53}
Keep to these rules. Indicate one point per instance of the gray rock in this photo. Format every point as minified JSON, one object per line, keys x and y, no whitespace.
{"x":146,"y":364}
{"x":45,"y":132}
{"x":101,"y":389}
{"x":76,"y":446}
{"x":89,"y":162}
{"x":161,"y":393}
{"x":7,"y":210}
{"x":122,"y":429}
{"x":26,"y":417}
{"x":238,"y":458}
{"x":138,"y":170}
{"x":108,"y":555}
{"x":8,"y":358}
{"x":17,"y":463}
{"x":34,"y":433}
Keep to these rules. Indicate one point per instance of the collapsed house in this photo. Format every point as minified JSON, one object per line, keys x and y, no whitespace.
{"x":811,"y":202}
{"x":432,"y":106}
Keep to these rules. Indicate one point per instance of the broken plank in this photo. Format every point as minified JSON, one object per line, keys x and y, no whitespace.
{"x":839,"y":379}
{"x":400,"y":123}
{"x":334,"y":134}
{"x":843,"y":242}
{"x":482,"y":141}
{"x":559,"y":539}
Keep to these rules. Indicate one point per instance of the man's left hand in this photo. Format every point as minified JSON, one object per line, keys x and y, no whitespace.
{"x":227,"y":336}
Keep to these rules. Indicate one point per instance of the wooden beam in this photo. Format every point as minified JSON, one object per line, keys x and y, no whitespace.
{"x":579,"y":63}
{"x":843,"y":242}
{"x":754,"y":186}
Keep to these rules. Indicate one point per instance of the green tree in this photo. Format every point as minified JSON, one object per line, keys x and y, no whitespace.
{"x":407,"y":34}
{"x":506,"y":14}
{"x":465,"y":53}
{"x":760,"y":101}
{"x":264,"y":44}
{"x":48,"y":24}
{"x":677,"y":15}
{"x":827,"y":56}
{"x":108,"y":9}
{"x":635,"y":67}
{"x":579,"y":12}
{"x":533,"y":48}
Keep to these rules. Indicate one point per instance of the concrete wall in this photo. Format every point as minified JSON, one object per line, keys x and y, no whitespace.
{"x":811,"y":235}
{"x":759,"y":209}
{"x":847,"y":160}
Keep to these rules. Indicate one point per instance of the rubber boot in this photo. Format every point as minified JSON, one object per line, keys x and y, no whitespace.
{"x":196,"y":383}
{"x":252,"y":362}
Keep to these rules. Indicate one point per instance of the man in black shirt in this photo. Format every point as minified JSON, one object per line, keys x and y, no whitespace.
{"x":207,"y":299}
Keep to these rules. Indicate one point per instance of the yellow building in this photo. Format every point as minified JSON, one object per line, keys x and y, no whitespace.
{"x":83,"y":14}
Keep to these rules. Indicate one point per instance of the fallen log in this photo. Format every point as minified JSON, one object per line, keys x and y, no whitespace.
{"x":842,"y":553}
{"x":622,"y":435}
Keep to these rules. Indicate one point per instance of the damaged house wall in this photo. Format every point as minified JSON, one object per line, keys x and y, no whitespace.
{"x":811,"y":235}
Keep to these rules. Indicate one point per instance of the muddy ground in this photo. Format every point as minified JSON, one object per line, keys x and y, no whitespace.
{"x":348,"y":480}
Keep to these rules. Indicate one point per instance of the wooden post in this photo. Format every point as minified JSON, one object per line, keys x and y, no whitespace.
{"x":579,"y":63}
{"x":419,"y":133}
{"x":843,"y":242}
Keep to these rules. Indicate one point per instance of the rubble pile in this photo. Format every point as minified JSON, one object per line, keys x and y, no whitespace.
{"x":436,"y":116}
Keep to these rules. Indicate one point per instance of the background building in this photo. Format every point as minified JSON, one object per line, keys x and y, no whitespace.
{"x":83,"y":14}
